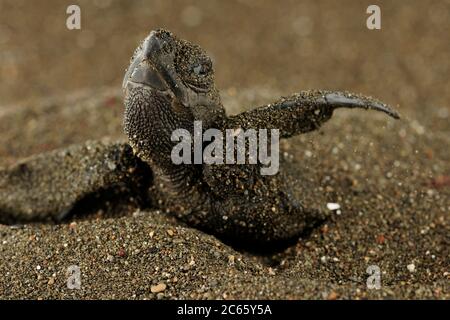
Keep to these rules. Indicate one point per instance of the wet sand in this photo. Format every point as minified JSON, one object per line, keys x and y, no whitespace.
{"x":390,"y":178}
{"x":394,"y":214}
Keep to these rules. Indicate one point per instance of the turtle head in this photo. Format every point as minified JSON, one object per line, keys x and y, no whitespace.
{"x":176,"y":68}
{"x":168,"y":85}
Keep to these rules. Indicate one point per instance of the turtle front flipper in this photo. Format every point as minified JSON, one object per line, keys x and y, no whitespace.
{"x":48,"y":186}
{"x":304,"y":112}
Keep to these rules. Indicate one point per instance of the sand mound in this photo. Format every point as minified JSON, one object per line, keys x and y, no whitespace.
{"x":389,"y":178}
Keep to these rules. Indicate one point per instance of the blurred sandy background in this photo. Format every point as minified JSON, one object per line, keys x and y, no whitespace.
{"x":284,"y":45}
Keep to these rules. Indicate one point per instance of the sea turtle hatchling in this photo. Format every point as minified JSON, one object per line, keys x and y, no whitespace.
{"x":169,"y":85}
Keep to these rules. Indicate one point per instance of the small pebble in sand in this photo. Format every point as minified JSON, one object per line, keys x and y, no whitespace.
{"x":381,"y":239}
{"x":38,"y":267}
{"x":160,"y":287}
{"x":111,"y":165}
{"x":121,"y":253}
{"x":411,"y":267}
{"x":137,"y":213}
{"x":333,"y":206}
{"x":332,"y":296}
{"x":170,"y":232}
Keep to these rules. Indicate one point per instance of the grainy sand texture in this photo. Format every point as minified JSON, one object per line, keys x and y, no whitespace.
{"x":390,"y":178}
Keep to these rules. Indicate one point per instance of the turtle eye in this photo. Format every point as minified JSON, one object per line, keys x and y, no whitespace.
{"x":202,"y":67}
{"x":199,"y":69}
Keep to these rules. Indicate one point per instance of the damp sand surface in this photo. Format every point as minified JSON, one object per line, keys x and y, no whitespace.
{"x":390,"y":178}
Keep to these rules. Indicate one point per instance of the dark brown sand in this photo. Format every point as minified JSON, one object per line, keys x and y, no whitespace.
{"x":391,"y":178}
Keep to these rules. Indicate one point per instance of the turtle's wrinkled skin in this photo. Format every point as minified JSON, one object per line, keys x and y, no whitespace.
{"x":169,"y":85}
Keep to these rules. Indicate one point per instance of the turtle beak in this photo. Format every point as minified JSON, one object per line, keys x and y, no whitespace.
{"x":153,"y":67}
{"x":129,"y":72}
{"x":144,"y":73}
{"x":142,"y":70}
